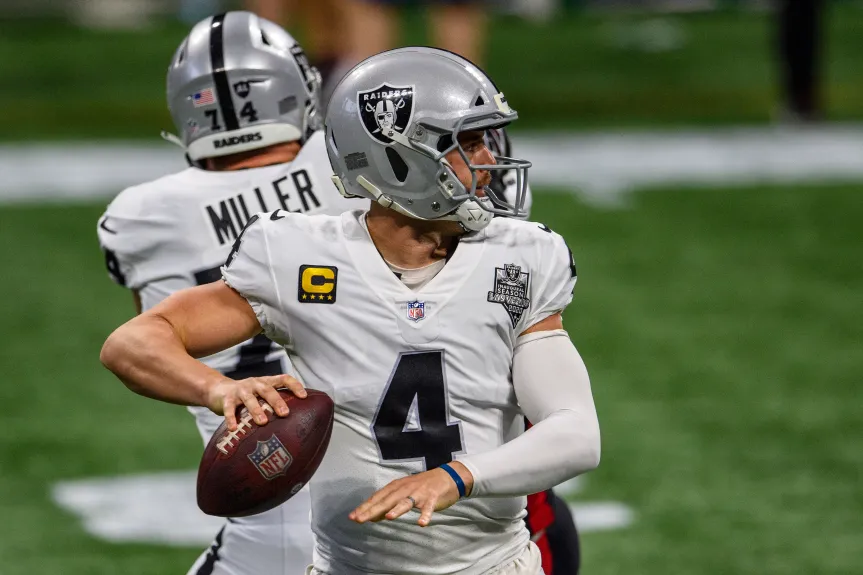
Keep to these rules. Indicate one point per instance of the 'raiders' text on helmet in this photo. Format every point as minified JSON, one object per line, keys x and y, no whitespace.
{"x":239,"y":82}
{"x":392,"y":120}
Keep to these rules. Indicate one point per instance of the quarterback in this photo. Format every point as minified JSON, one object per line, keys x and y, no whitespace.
{"x":435,"y":328}
{"x":244,"y":101}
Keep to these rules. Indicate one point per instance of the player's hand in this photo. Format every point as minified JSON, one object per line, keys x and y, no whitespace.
{"x":429,"y":491}
{"x":226,"y":396}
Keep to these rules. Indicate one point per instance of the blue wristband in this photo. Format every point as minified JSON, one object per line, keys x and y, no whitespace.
{"x":455,"y":477}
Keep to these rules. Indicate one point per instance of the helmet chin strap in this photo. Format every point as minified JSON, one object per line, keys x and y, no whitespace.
{"x":470,"y":215}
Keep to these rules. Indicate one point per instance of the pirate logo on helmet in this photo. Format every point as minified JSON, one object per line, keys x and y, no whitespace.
{"x":386,"y":110}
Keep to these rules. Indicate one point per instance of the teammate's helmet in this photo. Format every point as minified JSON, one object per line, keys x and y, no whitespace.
{"x":239,"y":82}
{"x":393,"y":118}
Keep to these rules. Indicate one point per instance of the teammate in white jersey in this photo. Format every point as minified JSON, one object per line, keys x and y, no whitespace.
{"x":244,"y":101}
{"x":432,"y":372}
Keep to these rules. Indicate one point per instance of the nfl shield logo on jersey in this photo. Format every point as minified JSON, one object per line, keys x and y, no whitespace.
{"x":271,"y":458}
{"x":416,"y":310}
{"x":511,"y":291}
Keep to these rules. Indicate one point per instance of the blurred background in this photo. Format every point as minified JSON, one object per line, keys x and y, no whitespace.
{"x":703,"y":159}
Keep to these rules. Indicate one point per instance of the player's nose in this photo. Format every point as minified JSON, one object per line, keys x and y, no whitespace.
{"x":485,"y":157}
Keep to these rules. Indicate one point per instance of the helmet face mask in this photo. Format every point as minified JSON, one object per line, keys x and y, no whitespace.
{"x":239,"y":82}
{"x":502,"y":165}
{"x":396,"y":117}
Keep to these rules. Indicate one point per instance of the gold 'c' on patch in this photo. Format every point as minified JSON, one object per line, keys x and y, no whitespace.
{"x":317,"y":284}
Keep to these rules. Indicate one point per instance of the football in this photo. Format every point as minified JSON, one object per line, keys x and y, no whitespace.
{"x":258,"y":467}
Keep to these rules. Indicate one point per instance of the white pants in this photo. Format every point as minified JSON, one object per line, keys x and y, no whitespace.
{"x":278,"y":542}
{"x":528,"y":563}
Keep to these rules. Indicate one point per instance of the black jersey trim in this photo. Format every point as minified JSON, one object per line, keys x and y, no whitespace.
{"x":209,"y":564}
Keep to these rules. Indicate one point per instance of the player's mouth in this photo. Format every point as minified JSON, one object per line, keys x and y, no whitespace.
{"x":482,"y":184}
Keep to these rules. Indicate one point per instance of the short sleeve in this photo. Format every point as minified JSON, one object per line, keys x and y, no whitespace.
{"x":552,"y":290}
{"x":130,"y":237}
{"x":248,"y":271}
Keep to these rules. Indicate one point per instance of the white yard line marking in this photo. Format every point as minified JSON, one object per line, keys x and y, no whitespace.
{"x":160,"y":508}
{"x":600,"y":167}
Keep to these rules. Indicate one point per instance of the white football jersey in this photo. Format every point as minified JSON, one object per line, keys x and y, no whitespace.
{"x":175,"y":232}
{"x":418,"y":378}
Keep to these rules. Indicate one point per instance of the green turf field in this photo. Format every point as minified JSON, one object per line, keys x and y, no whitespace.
{"x":721,"y":328}
{"x":582,"y":70}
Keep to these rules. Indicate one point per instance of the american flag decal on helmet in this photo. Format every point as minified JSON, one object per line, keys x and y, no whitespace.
{"x":205,"y":97}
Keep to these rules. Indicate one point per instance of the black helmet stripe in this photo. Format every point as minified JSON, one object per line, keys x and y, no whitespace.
{"x":220,"y":77}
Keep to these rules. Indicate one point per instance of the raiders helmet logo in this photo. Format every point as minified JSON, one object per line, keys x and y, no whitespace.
{"x":386,"y":109}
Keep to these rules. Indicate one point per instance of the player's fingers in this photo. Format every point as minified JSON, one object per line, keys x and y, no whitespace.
{"x":365,"y":512}
{"x":426,"y":510}
{"x":230,"y":411}
{"x":288,"y":382}
{"x":378,"y":504}
{"x":395,"y":499}
{"x":250,"y":400}
{"x":275,"y":400}
{"x":402,"y":507}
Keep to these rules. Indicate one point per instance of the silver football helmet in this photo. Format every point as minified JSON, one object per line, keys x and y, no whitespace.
{"x":239,"y":82}
{"x":393,"y":118}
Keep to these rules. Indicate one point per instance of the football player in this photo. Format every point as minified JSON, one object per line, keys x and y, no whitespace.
{"x":244,"y":101}
{"x":435,"y":328}
{"x":549,"y":518}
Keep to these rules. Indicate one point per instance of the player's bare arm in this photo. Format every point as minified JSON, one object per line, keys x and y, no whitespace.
{"x":154,"y":353}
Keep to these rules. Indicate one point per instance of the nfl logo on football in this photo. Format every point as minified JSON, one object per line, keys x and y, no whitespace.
{"x":416,"y":310}
{"x":271,"y":458}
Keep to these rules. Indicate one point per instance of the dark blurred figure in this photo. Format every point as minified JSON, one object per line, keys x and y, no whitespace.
{"x":455,"y":25}
{"x":552,"y":528}
{"x":323,"y":24}
{"x":800,"y":42}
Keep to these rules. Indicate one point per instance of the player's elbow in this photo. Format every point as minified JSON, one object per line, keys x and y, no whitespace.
{"x":117,"y":355}
{"x":592,"y":451}
{"x":586,"y":446}
{"x":112,"y":353}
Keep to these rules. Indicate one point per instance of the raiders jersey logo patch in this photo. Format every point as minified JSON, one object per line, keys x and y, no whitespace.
{"x":385,"y":110}
{"x":317,"y":284}
{"x":510,"y":291}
